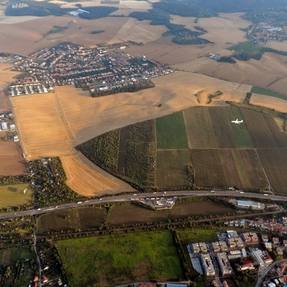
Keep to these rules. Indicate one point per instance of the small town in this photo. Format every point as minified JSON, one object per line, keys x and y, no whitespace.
{"x":101,"y":71}
{"x":8,"y":127}
{"x":262,"y":33}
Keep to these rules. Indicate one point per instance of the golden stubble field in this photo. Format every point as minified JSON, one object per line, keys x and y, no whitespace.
{"x":269,"y":72}
{"x":6,"y":76}
{"x":31,"y":35}
{"x":224,"y":30}
{"x":11,"y":158}
{"x":27,"y":34}
{"x":53,"y":124}
{"x":269,"y":102}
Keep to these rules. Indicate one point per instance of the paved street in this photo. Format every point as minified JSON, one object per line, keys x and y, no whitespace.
{"x":136,"y":196}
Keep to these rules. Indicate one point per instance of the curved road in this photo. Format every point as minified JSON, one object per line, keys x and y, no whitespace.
{"x":267,"y":270}
{"x":137,"y":196}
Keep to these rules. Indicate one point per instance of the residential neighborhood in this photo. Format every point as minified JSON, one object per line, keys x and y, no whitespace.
{"x":102,"y":70}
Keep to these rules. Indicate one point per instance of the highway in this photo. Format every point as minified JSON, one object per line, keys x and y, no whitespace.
{"x":128,"y":197}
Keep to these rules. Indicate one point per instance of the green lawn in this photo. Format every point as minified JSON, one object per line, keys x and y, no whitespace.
{"x":197,"y":234}
{"x":171,"y":133}
{"x":115,"y":259}
{"x":14,"y":195}
{"x":267,"y":92}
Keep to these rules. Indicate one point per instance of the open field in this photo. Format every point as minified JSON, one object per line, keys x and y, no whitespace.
{"x":4,"y":102}
{"x":170,"y":132}
{"x":258,"y":126}
{"x":225,"y":168}
{"x":87,"y":179}
{"x":115,"y":259}
{"x":138,"y":32}
{"x":41,"y":127}
{"x":269,"y":72}
{"x":269,"y":102}
{"x":125,"y":213}
{"x":275,"y":164}
{"x":11,"y":160}
{"x":53,"y":124}
{"x":74,"y":219}
{"x":14,"y":195}
{"x":210,"y":134}
{"x":61,"y":112}
{"x":6,"y":76}
{"x":33,"y":34}
{"x":197,"y":235}
{"x":10,"y":256}
{"x":224,"y":30}
{"x":172,"y":168}
{"x":128,"y":213}
{"x":220,"y":154}
{"x":267,"y":92}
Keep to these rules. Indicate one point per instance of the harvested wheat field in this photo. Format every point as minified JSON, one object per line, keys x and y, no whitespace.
{"x":58,"y":121}
{"x":139,"y":32}
{"x":281,"y":46}
{"x":172,"y":93}
{"x":35,"y":33}
{"x":87,"y":179}
{"x":6,"y":75}
{"x":223,"y":30}
{"x":269,"y":102}
{"x":41,"y":127}
{"x":269,"y":72}
{"x":11,"y":160}
{"x":4,"y":102}
{"x":29,"y":36}
{"x":53,"y":124}
{"x":167,"y":52}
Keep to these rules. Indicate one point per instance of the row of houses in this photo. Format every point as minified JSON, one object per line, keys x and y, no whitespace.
{"x":100,"y":70}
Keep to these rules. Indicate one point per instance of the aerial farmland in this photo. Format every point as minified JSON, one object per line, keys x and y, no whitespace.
{"x":198,"y":148}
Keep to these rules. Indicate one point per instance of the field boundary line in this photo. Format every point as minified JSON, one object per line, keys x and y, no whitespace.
{"x":265,"y":173}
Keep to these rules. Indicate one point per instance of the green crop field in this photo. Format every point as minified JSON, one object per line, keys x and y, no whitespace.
{"x":267,"y":92}
{"x":171,"y":133}
{"x":240,"y":135}
{"x":199,"y":147}
{"x":14,"y":195}
{"x":197,"y":234}
{"x":115,"y":259}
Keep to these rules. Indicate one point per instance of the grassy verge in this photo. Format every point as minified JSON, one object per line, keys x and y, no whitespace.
{"x":197,"y":234}
{"x":115,"y":259}
{"x":14,"y":195}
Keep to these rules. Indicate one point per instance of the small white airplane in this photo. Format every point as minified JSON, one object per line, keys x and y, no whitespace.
{"x":237,"y":121}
